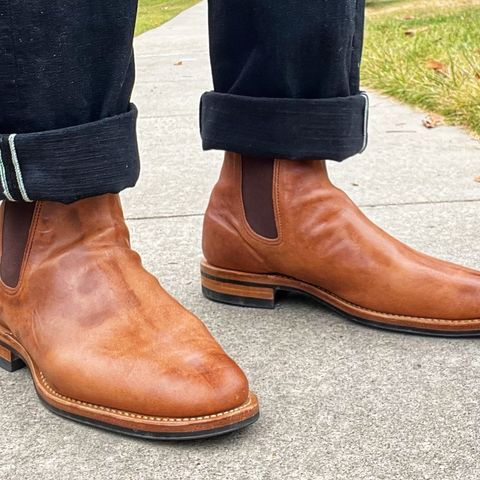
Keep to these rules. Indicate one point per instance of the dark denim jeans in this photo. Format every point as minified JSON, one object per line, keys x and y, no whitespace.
{"x":66,"y":76}
{"x":286,"y":77}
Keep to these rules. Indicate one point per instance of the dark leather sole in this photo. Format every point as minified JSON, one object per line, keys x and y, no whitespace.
{"x":262,"y":291}
{"x":214,"y":432}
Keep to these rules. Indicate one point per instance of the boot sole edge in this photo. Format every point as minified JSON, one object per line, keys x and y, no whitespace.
{"x":263,"y":290}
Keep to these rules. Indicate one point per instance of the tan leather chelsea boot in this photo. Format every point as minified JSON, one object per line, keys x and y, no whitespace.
{"x":105,"y":344}
{"x":320,"y":244}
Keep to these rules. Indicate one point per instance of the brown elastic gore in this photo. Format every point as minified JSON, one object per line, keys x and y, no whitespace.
{"x":16,"y":227}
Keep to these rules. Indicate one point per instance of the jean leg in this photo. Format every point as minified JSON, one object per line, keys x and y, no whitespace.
{"x":286,"y":78}
{"x":66,"y":74}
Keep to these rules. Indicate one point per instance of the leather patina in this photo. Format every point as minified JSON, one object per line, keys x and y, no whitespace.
{"x":102,"y":338}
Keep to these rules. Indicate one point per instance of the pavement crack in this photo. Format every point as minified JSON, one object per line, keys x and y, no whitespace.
{"x":365,"y":205}
{"x":163,"y":217}
{"x":421,"y":202}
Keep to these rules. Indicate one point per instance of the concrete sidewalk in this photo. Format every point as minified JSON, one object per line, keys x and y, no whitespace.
{"x":339,"y":401}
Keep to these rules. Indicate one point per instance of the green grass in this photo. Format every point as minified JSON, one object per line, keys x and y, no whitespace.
{"x":405,"y":39}
{"x":152,"y":13}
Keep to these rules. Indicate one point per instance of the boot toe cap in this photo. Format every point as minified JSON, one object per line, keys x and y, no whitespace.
{"x":198,"y":385}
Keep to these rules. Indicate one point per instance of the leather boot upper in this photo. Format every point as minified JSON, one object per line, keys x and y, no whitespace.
{"x":325,"y":240}
{"x":100,"y":327}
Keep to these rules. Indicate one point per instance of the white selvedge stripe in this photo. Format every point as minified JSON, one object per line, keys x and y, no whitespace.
{"x":365,"y":121}
{"x":16,"y":166}
{"x":3,"y":178}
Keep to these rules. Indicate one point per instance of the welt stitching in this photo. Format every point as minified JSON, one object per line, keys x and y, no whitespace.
{"x":136,"y":415}
{"x":394,"y":315}
{"x":390,"y":315}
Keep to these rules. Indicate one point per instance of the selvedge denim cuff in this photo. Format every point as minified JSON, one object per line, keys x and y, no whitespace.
{"x":71,"y":163}
{"x":295,"y":129}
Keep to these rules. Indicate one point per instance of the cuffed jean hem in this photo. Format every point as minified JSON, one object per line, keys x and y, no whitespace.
{"x":71,"y":163}
{"x":289,"y":128}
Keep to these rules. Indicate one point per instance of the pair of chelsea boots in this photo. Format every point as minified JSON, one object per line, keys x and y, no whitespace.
{"x":107,"y":346}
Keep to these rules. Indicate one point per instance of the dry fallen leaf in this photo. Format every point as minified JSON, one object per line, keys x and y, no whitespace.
{"x":180,"y":62}
{"x":409,"y":17}
{"x":432,"y":120}
{"x":439,"y":67}
{"x":435,"y":64}
{"x":413,"y":31}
